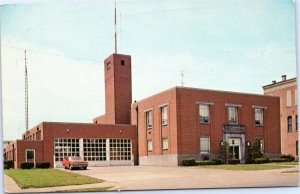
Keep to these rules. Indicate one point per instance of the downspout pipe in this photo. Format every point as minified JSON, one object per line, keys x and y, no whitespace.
{"x":137,"y":133}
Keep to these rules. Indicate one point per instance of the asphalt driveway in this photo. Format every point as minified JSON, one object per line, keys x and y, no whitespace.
{"x":150,"y":177}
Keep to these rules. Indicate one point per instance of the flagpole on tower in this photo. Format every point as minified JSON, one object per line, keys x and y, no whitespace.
{"x":116,"y":27}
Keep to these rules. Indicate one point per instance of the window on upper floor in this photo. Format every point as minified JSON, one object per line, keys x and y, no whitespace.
{"x":164,"y":115}
{"x":204,"y":113}
{"x":149,"y":145}
{"x":288,"y":98}
{"x":165,"y":143}
{"x":296,"y":97}
{"x":289,"y":123}
{"x":259,"y":117}
{"x":233,"y":115}
{"x":149,"y":119}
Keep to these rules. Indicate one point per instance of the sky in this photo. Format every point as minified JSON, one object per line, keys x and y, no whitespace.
{"x":232,"y":45}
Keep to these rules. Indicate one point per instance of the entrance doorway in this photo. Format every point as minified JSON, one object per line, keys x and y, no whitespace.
{"x":234,"y":148}
{"x":30,"y":155}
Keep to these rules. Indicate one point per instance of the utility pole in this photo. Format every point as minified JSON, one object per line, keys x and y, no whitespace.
{"x":26,"y":94}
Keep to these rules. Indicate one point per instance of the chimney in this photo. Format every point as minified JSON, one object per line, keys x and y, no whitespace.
{"x":283,"y":77}
{"x":274,"y":82}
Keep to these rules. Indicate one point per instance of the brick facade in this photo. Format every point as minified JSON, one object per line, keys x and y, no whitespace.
{"x":286,"y":88}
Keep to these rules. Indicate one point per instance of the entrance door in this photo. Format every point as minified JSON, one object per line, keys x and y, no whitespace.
{"x":234,"y":148}
{"x":30,"y":155}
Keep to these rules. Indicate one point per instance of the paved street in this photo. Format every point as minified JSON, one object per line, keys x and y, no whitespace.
{"x":146,"y":177}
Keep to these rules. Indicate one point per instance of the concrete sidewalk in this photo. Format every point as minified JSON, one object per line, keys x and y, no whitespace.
{"x":10,"y":186}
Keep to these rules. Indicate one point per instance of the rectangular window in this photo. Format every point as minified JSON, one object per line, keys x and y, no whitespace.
{"x":288,"y":98}
{"x":165,"y":143}
{"x":164,"y":115}
{"x":94,"y":149}
{"x":233,"y":115}
{"x":290,"y":123}
{"x":297,"y":148}
{"x":120,"y":149}
{"x":149,"y":119}
{"x":296,"y":122}
{"x":204,"y":113}
{"x":30,"y":155}
{"x":65,"y":147}
{"x":259,"y":117}
{"x":204,"y":145}
{"x":149,"y":145}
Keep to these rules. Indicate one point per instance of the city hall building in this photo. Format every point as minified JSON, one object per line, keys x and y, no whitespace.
{"x":161,"y":130}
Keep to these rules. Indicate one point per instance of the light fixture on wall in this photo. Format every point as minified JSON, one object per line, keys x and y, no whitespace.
{"x":121,"y":131}
{"x":248,"y":143}
{"x":67,"y":130}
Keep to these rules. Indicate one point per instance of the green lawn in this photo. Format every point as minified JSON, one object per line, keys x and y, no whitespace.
{"x":39,"y":178}
{"x":96,"y":189}
{"x":285,"y":163}
{"x":247,"y":166}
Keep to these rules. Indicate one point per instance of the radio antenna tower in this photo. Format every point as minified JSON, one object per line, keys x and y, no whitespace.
{"x":116,"y":27}
{"x":26,"y":94}
{"x":182,"y":75}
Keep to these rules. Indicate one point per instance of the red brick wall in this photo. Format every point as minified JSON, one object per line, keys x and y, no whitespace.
{"x":288,"y":139}
{"x":81,"y":130}
{"x":190,"y":130}
{"x":184,"y":130}
{"x":118,"y":94}
{"x":158,"y":131}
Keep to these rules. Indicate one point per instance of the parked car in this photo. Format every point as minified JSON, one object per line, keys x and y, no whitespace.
{"x":72,"y":162}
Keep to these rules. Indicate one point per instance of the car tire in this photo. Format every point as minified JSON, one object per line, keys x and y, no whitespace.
{"x":84,"y":168}
{"x":65,"y":167}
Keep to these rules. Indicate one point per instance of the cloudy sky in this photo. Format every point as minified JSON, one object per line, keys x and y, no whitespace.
{"x":233,"y":45}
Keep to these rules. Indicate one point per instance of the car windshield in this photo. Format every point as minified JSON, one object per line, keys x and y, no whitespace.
{"x":75,"y":158}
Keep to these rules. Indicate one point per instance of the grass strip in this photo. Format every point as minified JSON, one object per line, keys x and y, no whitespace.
{"x":96,"y":189}
{"x":40,"y":178}
{"x":246,"y":167}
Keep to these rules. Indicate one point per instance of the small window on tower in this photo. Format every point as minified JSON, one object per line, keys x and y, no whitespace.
{"x":108,"y":65}
{"x":122,"y":62}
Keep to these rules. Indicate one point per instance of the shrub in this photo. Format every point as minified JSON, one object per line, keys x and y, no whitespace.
{"x":8,"y":164}
{"x":289,"y":157}
{"x":189,"y":162}
{"x":278,"y":160}
{"x":43,"y":165}
{"x":206,"y":162}
{"x":27,"y":165}
{"x":234,"y":161}
{"x":261,"y":160}
{"x":217,"y":161}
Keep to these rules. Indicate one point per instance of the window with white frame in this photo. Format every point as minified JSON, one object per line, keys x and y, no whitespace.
{"x":233,"y":115}
{"x":65,"y":147}
{"x":120,"y":149}
{"x":164,"y":115}
{"x":94,"y":149}
{"x":289,"y":123}
{"x":204,"y":113}
{"x":165,"y":143}
{"x":149,"y":145}
{"x":204,"y":145}
{"x":149,"y":119}
{"x":259,"y":117}
{"x":288,"y":98}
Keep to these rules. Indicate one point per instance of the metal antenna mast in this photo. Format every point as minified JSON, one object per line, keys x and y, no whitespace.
{"x":182,"y":75}
{"x":26,"y":94}
{"x":116,"y":26}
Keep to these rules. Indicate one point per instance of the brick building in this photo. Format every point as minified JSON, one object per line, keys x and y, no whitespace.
{"x":286,"y":89}
{"x":160,"y":130}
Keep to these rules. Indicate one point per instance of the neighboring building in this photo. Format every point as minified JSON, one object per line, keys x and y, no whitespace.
{"x":160,"y":130}
{"x":286,"y":89}
{"x":188,"y":122}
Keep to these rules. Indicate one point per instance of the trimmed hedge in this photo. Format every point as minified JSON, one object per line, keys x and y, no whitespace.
{"x":27,"y":165}
{"x":208,"y":162}
{"x":189,"y":162}
{"x":234,"y":161}
{"x":42,"y":165}
{"x":278,"y":160}
{"x":218,"y":161}
{"x":289,"y":157}
{"x":8,"y":164}
{"x":261,"y":160}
